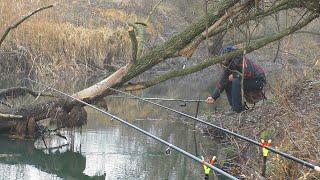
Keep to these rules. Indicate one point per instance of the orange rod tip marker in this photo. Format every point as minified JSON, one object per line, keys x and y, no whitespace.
{"x":213,"y":160}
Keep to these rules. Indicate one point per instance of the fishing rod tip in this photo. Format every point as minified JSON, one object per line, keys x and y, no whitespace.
{"x":317,"y":168}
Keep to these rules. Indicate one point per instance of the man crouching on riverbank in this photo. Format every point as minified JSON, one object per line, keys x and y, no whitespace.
{"x":230,"y":81}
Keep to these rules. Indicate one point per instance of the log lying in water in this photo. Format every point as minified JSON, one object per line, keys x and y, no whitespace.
{"x":65,"y":112}
{"x":22,"y":120}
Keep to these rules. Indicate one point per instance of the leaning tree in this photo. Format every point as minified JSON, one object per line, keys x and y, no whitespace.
{"x":217,"y":20}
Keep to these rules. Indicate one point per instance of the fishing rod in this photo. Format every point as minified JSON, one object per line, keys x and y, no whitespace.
{"x":288,"y":156}
{"x":160,"y":99}
{"x":144,"y":132}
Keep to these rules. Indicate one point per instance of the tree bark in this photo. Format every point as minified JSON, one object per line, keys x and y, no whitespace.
{"x":63,"y":110}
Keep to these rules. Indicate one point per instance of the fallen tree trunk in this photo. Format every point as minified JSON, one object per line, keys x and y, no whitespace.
{"x":66,"y":113}
{"x":20,"y":91}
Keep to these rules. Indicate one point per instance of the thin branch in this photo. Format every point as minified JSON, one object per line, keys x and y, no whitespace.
{"x":302,"y":16}
{"x":190,"y":49}
{"x":214,"y":60}
{"x":152,"y":11}
{"x":170,"y":47}
{"x":10,"y":116}
{"x":279,"y":42}
{"x":21,"y":21}
{"x":309,"y":32}
{"x":207,"y":31}
{"x":6,"y":104}
{"x":284,"y":4}
{"x":219,"y":27}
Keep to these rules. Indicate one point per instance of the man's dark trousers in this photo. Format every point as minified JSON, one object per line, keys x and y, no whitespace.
{"x":233,"y":91}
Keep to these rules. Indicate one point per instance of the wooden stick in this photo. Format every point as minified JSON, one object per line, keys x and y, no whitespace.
{"x":11,"y":116}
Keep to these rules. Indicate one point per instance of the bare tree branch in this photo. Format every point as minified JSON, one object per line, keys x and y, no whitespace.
{"x":214,"y":60}
{"x":190,"y":49}
{"x":10,"y":116}
{"x":21,"y":21}
{"x":221,"y":26}
{"x":279,"y":42}
{"x":153,"y":10}
{"x":309,"y":32}
{"x":6,"y":104}
{"x":138,"y":65}
{"x":282,"y":5}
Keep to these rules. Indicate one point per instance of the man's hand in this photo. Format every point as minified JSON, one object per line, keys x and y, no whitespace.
{"x":210,"y":100}
{"x":231,"y":78}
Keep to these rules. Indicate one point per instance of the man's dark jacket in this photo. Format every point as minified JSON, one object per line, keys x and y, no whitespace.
{"x":252,"y":71}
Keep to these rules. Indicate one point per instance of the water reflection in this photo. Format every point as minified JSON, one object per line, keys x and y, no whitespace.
{"x":120,"y":152}
{"x":27,"y":172}
{"x":20,"y":160}
{"x":109,"y":150}
{"x":106,"y":149}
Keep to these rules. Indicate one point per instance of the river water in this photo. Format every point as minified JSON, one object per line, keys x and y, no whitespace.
{"x":106,"y":149}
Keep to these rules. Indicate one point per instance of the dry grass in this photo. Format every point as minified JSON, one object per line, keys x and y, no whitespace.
{"x":290,"y":119}
{"x":66,"y":37}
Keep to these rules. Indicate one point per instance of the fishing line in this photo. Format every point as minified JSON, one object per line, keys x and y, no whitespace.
{"x":144,"y":132}
{"x":300,"y":161}
{"x":160,"y":99}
